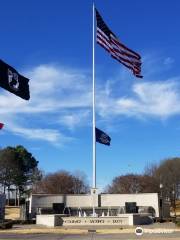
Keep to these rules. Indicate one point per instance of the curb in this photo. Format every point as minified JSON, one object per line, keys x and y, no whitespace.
{"x":83,"y":231}
{"x":44,"y":231}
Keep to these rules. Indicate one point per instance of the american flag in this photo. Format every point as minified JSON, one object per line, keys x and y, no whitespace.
{"x":118,"y":51}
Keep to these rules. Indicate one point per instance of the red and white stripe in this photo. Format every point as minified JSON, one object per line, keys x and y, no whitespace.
{"x":119,"y":51}
{"x":103,"y":40}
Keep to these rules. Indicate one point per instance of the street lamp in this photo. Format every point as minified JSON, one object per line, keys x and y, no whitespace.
{"x":161,"y":202}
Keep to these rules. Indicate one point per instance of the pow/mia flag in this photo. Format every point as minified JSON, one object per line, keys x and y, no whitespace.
{"x":12,"y":81}
{"x":102,"y":137}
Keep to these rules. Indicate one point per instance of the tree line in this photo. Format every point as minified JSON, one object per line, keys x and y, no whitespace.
{"x":19,"y":173}
{"x":163,"y":177}
{"x":62,"y":182}
{"x":20,"y":176}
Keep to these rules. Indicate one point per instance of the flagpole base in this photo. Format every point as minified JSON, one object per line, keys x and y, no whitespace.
{"x":94,"y":193}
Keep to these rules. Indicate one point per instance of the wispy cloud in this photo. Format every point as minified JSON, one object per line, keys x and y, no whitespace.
{"x":73,"y":119}
{"x":50,"y":135}
{"x":168,"y":61}
{"x":54,"y":90}
{"x":64,"y":96}
{"x":148,"y":99}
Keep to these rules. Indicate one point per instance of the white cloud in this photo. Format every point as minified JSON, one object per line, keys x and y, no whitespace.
{"x":148,"y":99}
{"x":72,"y":120}
{"x":168,"y":61}
{"x":53,"y":89}
{"x":50,"y":135}
{"x":18,"y":127}
{"x":64,"y":97}
{"x":160,"y":99}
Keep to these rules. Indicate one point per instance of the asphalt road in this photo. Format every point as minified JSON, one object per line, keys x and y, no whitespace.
{"x":90,"y":236}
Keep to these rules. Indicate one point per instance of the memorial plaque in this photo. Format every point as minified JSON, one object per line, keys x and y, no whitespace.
{"x":58,"y":208}
{"x":131,"y":207}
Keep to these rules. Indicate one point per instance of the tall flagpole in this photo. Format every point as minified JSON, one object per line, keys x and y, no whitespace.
{"x":94,"y":114}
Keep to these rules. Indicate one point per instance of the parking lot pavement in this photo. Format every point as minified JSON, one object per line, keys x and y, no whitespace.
{"x":156,"y":231}
{"x":89,"y":236}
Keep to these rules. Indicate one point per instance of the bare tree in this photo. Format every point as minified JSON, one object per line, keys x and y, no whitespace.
{"x":61,"y":182}
{"x":150,"y":169}
{"x":167,"y":173}
{"x":80,"y":183}
{"x":132,"y":183}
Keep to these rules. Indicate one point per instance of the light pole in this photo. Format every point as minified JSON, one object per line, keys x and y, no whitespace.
{"x":161,"y":202}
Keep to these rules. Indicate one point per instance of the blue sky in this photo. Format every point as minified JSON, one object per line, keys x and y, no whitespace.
{"x":51,"y":43}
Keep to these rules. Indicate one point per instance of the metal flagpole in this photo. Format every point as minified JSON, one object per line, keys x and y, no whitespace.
{"x":94,"y":114}
{"x":93,"y":190}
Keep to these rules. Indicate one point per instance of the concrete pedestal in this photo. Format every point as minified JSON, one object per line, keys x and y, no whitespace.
{"x":120,"y":220}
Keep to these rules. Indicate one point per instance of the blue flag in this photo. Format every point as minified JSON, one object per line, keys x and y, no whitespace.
{"x":102,"y":137}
